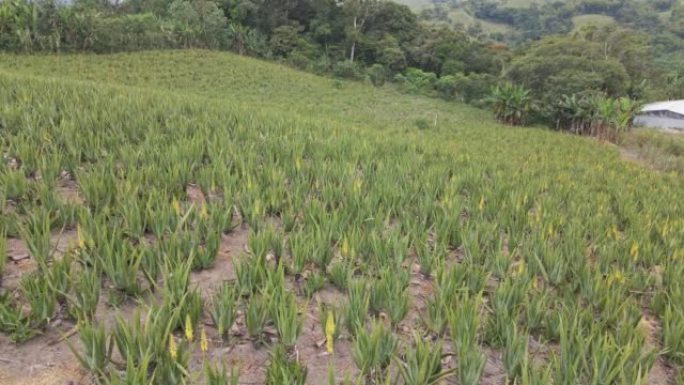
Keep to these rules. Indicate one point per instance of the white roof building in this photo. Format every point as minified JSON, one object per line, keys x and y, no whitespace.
{"x":666,"y":115}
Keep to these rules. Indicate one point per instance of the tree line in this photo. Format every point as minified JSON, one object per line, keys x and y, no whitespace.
{"x":375,"y":40}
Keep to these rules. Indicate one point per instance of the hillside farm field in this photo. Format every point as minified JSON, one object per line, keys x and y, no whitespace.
{"x":198,"y":217}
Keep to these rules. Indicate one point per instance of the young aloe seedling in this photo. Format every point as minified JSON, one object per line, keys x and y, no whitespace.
{"x":58,"y":276}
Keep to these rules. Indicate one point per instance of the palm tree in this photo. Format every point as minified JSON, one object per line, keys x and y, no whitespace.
{"x":614,"y":116}
{"x":576,"y":113}
{"x":512,"y":104}
{"x":627,"y":109}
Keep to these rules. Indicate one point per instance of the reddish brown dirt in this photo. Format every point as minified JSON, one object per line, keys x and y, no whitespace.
{"x":195,"y":194}
{"x":40,"y":362}
{"x":661,"y":373}
{"x":494,"y":372}
{"x":68,"y":191}
{"x":20,"y":262}
{"x":232,"y":245}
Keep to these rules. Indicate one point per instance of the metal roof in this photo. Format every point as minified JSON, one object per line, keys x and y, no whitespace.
{"x":676,"y":106}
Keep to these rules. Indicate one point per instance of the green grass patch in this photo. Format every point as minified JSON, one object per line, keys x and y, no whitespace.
{"x":592,"y":19}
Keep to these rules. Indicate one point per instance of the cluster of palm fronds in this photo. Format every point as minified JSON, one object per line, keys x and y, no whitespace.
{"x":595,"y":115}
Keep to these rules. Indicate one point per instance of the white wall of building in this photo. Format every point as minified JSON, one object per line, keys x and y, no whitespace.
{"x":659,"y":122}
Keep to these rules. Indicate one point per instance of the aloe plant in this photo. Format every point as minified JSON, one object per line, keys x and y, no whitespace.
{"x":36,"y":233}
{"x":219,"y":376}
{"x":314,"y":282}
{"x":287,"y":320}
{"x":256,"y":315}
{"x":41,"y":298}
{"x":496,"y":237}
{"x":3,"y":250}
{"x":85,"y":295}
{"x":331,"y":320}
{"x":172,"y":364}
{"x":143,"y":334}
{"x":251,"y":274}
{"x":373,"y":351}
{"x":224,"y":309}
{"x":284,"y":370}
{"x":673,"y":321}
{"x":464,"y":325}
{"x":515,"y":352}
{"x":15,"y":184}
{"x":389,"y":293}
{"x":133,"y":374}
{"x":97,"y":348}
{"x":13,"y":322}
{"x":340,"y":274}
{"x":422,"y":364}
{"x":122,"y":270}
{"x":357,"y":308}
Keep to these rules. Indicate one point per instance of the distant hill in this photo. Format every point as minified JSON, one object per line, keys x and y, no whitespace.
{"x":517,"y":21}
{"x":416,"y":5}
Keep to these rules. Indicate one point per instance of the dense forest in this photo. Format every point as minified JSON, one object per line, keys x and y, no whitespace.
{"x":545,"y":70}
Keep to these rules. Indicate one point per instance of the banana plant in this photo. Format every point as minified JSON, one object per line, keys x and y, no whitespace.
{"x":511,"y":103}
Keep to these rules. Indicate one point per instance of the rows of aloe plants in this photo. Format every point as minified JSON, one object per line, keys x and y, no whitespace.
{"x":541,"y":251}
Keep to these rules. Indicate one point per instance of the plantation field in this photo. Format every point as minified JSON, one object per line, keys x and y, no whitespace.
{"x":416,"y":5}
{"x":193,"y":211}
{"x":462,"y":16}
{"x":247,"y":84}
{"x":591,"y":19}
{"x":522,"y":3}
